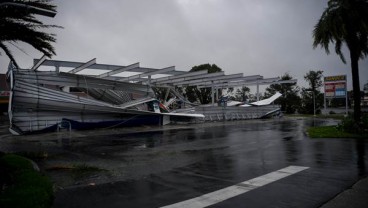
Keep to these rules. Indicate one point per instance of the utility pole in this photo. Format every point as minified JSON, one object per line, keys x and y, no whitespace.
{"x":314,"y":104}
{"x":314,"y":100}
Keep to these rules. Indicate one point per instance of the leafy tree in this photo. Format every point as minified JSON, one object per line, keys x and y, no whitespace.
{"x":242,"y":94}
{"x":202,"y":95}
{"x":312,"y":98}
{"x":314,"y":79}
{"x":289,"y":100}
{"x":19,"y":24}
{"x":345,"y":22}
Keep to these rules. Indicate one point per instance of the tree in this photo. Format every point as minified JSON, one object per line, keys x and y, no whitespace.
{"x":314,"y":79}
{"x":345,"y":22}
{"x":202,"y":95}
{"x":242,"y":94}
{"x":312,"y":98}
{"x":19,"y":24}
{"x":289,"y":100}
{"x":365,"y":88}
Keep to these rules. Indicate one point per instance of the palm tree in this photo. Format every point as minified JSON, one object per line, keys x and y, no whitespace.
{"x":19,"y":24}
{"x":345,"y":22}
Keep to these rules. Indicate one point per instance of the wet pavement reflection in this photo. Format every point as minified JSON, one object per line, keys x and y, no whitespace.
{"x":157,"y":168}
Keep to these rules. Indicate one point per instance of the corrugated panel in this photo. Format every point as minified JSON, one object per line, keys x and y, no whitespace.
{"x":73,"y":80}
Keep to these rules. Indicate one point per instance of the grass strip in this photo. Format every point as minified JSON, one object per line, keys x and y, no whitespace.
{"x":331,"y":116}
{"x":332,"y":132}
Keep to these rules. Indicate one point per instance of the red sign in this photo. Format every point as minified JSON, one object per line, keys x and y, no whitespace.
{"x":335,"y":89}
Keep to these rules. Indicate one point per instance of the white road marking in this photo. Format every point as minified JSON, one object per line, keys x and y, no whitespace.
{"x":235,"y":190}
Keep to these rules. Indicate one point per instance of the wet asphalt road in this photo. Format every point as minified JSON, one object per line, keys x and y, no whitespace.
{"x":165,"y":167}
{"x":155,"y":167}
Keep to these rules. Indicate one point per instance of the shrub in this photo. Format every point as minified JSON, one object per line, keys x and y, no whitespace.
{"x":348,"y":124}
{"x":365,"y":122}
{"x":22,"y":186}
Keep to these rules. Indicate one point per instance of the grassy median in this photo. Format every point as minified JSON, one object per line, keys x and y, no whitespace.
{"x":332,"y":132}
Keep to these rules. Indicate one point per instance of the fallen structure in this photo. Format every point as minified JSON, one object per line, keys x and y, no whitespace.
{"x":42,"y":100}
{"x":48,"y":100}
{"x":264,"y":102}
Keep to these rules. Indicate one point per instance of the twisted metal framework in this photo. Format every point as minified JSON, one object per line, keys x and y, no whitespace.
{"x":43,"y":100}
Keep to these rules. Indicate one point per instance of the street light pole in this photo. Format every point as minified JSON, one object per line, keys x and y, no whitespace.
{"x":314,"y":104}
{"x":314,"y":100}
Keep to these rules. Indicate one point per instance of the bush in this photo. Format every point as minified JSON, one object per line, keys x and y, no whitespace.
{"x":22,"y":186}
{"x":365,"y":122}
{"x":349,"y":125}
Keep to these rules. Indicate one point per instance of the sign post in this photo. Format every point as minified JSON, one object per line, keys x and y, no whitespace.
{"x":336,"y":87}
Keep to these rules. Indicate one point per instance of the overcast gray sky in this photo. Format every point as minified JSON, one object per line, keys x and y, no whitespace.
{"x":265,"y":37}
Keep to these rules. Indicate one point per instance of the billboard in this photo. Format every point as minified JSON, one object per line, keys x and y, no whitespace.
{"x":335,"y":78}
{"x":335,"y":86}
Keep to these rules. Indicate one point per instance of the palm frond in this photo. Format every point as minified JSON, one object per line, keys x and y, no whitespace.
{"x":338,"y":51}
{"x":8,"y":53}
{"x":343,"y":21}
{"x":19,"y":24}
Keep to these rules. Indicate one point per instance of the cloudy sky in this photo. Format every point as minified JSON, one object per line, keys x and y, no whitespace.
{"x":265,"y":37}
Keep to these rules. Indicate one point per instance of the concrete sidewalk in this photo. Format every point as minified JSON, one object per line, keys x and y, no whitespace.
{"x":355,"y":197}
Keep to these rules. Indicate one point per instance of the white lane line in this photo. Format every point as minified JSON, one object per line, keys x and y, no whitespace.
{"x":235,"y":190}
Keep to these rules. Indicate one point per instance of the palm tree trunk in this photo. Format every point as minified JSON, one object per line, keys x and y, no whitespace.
{"x":356,"y":85}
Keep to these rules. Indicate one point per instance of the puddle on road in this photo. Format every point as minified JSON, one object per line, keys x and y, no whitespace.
{"x":287,"y":138}
{"x":119,"y":157}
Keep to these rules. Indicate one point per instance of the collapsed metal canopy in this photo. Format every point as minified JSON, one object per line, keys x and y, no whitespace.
{"x":173,"y":78}
{"x":111,"y":68}
{"x":80,"y":98}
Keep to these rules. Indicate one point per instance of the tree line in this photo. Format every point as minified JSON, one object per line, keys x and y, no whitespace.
{"x":342,"y":23}
{"x":294,"y":99}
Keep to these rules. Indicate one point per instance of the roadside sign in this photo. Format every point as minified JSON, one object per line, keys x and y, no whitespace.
{"x":336,"y":87}
{"x":335,"y":78}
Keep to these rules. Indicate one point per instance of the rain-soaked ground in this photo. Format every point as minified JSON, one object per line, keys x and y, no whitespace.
{"x":153,"y":167}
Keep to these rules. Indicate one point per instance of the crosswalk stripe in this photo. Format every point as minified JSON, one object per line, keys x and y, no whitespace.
{"x":235,"y":190}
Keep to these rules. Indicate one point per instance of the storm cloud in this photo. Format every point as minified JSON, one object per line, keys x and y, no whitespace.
{"x":263,"y":37}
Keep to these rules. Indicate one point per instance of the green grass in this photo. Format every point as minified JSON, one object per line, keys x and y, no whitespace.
{"x":331,"y":132}
{"x":41,"y":155}
{"x":76,"y":168}
{"x":333,"y":116}
{"x":85,"y":167}
{"x":15,"y":162}
{"x":22,"y":185}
